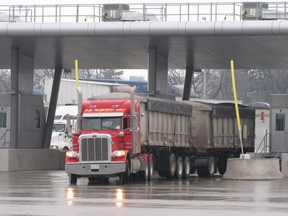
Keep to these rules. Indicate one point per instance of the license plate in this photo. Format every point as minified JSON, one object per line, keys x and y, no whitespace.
{"x":94,"y":166}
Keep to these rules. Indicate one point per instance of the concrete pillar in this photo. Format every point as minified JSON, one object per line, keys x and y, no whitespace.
{"x":157,"y":72}
{"x":52,"y":107}
{"x":21,"y":83}
{"x":15,"y":97}
{"x":188,"y":82}
{"x":152,"y":70}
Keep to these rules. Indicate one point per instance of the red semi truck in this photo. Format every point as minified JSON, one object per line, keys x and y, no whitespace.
{"x":129,"y":136}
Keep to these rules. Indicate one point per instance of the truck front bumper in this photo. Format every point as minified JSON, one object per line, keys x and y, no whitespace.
{"x":95,"y":169}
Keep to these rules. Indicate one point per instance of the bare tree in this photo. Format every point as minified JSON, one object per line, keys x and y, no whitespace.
{"x":266,"y":82}
{"x":39,"y":78}
{"x":5,"y":80}
{"x":176,"y":76}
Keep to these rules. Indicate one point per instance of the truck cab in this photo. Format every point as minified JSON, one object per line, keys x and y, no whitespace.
{"x":61,"y":137}
{"x":104,"y":147}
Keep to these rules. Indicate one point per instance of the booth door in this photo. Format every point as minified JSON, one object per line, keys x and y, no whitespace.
{"x":279,"y":130}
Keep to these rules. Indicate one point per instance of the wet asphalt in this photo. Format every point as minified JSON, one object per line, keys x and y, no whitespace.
{"x":49,"y":193}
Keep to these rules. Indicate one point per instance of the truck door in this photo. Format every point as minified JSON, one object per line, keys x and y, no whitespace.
{"x":279,"y":130}
{"x":4,"y":127}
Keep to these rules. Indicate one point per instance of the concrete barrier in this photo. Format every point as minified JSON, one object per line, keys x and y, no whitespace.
{"x":253,"y":169}
{"x":31,"y":159}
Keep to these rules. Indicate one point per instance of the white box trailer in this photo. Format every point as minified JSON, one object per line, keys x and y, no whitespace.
{"x":68,"y":94}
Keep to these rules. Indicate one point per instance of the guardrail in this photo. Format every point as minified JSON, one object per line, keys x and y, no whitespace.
{"x":163,"y":12}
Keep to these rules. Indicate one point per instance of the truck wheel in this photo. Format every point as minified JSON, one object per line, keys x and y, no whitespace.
{"x":151,"y":168}
{"x":124,"y":177}
{"x":208,"y":170}
{"x":73,"y":179}
{"x":65,"y":148}
{"x":187,"y":167}
{"x":179,"y":168}
{"x":144,"y":174}
{"x":172,"y":166}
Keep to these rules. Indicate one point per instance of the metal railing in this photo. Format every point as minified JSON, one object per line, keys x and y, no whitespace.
{"x":263,"y":149}
{"x":264,"y":146}
{"x":4,"y":143}
{"x":163,"y":12}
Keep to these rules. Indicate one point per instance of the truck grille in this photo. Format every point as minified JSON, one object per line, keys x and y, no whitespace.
{"x":94,"y":149}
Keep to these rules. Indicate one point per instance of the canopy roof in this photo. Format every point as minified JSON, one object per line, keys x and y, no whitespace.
{"x":125,"y":45}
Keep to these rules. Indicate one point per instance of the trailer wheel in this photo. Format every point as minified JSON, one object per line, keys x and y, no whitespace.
{"x":222,"y":164}
{"x":73,"y":179}
{"x":151,"y":168}
{"x":208,"y":170}
{"x":172,"y":166}
{"x":187,"y":167}
{"x":179,"y":168}
{"x":166,"y":164}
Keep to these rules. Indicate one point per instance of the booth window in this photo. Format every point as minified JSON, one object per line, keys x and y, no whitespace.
{"x":280,"y":122}
{"x":37,"y":118}
{"x":3,"y":120}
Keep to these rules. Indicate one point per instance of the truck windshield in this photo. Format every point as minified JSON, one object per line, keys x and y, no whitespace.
{"x":59,"y":127}
{"x":101,"y":123}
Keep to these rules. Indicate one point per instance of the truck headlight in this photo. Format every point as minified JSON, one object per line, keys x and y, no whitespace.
{"x":72,"y":154}
{"x":118,"y":153}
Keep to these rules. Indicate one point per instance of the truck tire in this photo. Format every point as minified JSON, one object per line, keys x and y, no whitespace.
{"x":151,"y":168}
{"x":208,"y":170}
{"x":73,"y":179}
{"x":65,"y":148}
{"x":166,"y":164}
{"x":171,"y":166}
{"x":144,"y":174}
{"x":187,"y":167}
{"x":179,"y":168}
{"x":124,"y":177}
{"x":222,"y":164}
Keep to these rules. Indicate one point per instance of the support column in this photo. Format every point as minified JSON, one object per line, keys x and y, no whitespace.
{"x":188,"y":82}
{"x":152,"y":71}
{"x":157,"y":73}
{"x":15,"y":100}
{"x":21,"y":87}
{"x":52,"y":107}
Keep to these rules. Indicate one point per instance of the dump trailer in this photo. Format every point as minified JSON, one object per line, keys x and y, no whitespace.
{"x":129,"y":136}
{"x":215,"y":135}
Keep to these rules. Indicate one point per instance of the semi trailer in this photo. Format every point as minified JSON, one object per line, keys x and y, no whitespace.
{"x":130,"y":136}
